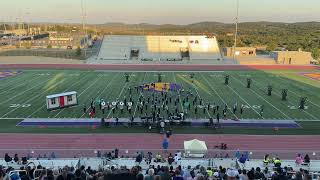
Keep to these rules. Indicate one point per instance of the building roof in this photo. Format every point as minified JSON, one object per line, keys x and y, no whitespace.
{"x":61,"y":94}
{"x":291,"y":52}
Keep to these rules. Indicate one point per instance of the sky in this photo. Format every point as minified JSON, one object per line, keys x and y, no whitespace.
{"x":159,"y":11}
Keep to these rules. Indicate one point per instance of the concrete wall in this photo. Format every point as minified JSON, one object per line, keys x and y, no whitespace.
{"x":240,"y":51}
{"x":292,"y":57}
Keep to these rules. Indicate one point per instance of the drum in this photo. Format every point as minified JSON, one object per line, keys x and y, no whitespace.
{"x":103,"y":103}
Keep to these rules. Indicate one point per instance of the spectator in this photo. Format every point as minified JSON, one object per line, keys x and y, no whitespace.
{"x":237,"y":154}
{"x":179,"y":154}
{"x":243,"y":160}
{"x":150,"y":175}
{"x":7,"y":158}
{"x":216,"y":175}
{"x":279,"y":175}
{"x":178,"y":175}
{"x":171,"y":172}
{"x":43,"y":174}
{"x":165,"y":145}
{"x":170,"y":159}
{"x":209,"y":172}
{"x":258,"y":174}
{"x":298,"y":176}
{"x":1,"y":175}
{"x":186,"y":173}
{"x":116,"y":153}
{"x":53,"y":155}
{"x":299,"y":160}
{"x":165,"y":175}
{"x":277,"y":162}
{"x":251,"y":174}
{"x":138,"y":158}
{"x":307,"y":159}
{"x":232,"y":174}
{"x":243,"y":175}
{"x":149,"y":157}
{"x":50,"y":175}
{"x":16,"y":158}
{"x":158,"y":157}
{"x":177,"y":158}
{"x":266,"y":173}
{"x":266,"y":160}
{"x":140,"y":177}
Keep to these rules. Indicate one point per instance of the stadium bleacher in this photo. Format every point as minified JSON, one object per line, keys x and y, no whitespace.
{"x":129,"y":168}
{"x":159,"y":48}
{"x":112,"y":165}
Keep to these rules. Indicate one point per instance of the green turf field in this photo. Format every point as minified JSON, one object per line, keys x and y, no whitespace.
{"x":23,"y":95}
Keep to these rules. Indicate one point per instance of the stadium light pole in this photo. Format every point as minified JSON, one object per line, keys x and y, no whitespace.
{"x":236,"y":32}
{"x":84,"y":14}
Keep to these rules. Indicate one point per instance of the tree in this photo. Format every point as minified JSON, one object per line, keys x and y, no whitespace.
{"x":271,"y":46}
{"x":315,"y":53}
{"x":78,"y":51}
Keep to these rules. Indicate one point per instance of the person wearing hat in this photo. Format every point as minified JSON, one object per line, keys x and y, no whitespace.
{"x":232,"y":174}
{"x":216,"y":175}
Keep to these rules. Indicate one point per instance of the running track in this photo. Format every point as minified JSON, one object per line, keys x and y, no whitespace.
{"x":158,"y":67}
{"x":85,"y":144}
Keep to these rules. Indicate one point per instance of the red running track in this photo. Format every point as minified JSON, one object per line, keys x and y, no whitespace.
{"x":85,"y":144}
{"x":158,"y":67}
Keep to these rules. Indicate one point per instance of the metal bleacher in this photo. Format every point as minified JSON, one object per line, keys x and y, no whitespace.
{"x":161,"y":48}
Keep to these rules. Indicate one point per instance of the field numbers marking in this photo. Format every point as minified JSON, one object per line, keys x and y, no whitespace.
{"x":20,"y":105}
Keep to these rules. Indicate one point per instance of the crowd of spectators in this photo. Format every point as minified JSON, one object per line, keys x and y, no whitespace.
{"x":152,"y":173}
{"x":170,"y":171}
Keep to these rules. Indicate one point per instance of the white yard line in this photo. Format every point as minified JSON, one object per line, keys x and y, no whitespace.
{"x":217,"y":94}
{"x":30,"y":100}
{"x":77,"y":82}
{"x":245,"y":101}
{"x":101,"y":92}
{"x":21,"y":93}
{"x":135,"y":109}
{"x":125,"y":85}
{"x":298,"y":94}
{"x":264,"y":99}
{"x":195,"y":88}
{"x":175,"y":80}
{"x":8,"y":90}
{"x":293,"y":104}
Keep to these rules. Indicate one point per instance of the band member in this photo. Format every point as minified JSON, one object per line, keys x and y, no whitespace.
{"x":218,"y":117}
{"x":261,"y":110}
{"x":241,"y":109}
{"x":117,"y":121}
{"x":84,"y":108}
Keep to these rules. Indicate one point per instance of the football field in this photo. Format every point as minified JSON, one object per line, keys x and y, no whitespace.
{"x":23,"y":94}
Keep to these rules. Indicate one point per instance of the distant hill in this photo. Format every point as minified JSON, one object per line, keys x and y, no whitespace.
{"x":206,"y":27}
